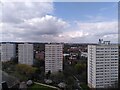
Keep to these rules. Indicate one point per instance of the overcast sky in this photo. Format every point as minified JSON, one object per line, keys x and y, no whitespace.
{"x":59,"y":22}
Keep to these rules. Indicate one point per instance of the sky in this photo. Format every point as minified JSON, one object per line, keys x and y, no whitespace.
{"x":70,"y":22}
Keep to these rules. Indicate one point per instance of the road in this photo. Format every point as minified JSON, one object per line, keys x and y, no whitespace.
{"x":48,"y":85}
{"x":76,"y":79}
{"x":78,"y":82}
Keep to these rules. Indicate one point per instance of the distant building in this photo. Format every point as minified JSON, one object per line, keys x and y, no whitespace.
{"x":25,"y":53}
{"x":40,"y":55}
{"x":73,"y":56}
{"x":83,"y":48}
{"x":73,"y":49}
{"x":73,"y":53}
{"x":8,"y":51}
{"x":65,"y":54}
{"x":53,"y":57}
{"x":84,"y":54}
{"x":102,"y":65}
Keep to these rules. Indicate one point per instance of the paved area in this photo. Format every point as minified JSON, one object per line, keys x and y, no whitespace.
{"x":47,"y":85}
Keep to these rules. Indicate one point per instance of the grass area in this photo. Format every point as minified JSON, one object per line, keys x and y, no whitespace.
{"x":40,"y":87}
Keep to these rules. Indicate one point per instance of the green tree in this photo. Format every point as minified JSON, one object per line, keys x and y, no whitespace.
{"x":39,"y":63}
{"x":48,"y":74}
{"x":26,"y":69}
{"x":58,"y":77}
{"x":79,"y":68}
{"x":70,"y":82}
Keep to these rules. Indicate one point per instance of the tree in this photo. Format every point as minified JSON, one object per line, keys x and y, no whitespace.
{"x":8,"y":66}
{"x":79,"y":68}
{"x":26,"y":69}
{"x":70,"y":82}
{"x":48,"y":74}
{"x":39,"y":63}
{"x":58,"y":77}
{"x":14,"y":60}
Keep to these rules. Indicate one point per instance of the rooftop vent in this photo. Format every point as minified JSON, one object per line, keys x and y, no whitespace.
{"x":103,"y":42}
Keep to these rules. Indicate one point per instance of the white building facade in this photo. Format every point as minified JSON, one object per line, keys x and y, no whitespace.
{"x":102,"y":65}
{"x":8,"y":51}
{"x":53,"y":57}
{"x":84,"y":54}
{"x":0,"y":52}
{"x":25,"y":53}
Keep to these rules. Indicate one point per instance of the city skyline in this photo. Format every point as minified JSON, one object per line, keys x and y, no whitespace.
{"x":97,"y":63}
{"x":81,"y":22}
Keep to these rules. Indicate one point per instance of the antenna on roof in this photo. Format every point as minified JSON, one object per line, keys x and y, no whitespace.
{"x":100,"y":41}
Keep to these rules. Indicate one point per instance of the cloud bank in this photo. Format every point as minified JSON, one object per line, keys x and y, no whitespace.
{"x":34,"y":22}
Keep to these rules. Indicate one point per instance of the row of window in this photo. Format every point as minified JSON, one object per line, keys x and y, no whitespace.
{"x":106,"y":63}
{"x":106,"y":70}
{"x":106,"y":54}
{"x":107,"y":57}
{"x":106,"y":51}
{"x":106,"y":48}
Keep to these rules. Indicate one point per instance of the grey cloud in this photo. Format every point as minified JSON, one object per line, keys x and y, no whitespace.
{"x":34,"y":22}
{"x":44,"y":28}
{"x":48,"y":25}
{"x":17,"y":12}
{"x":105,"y":33}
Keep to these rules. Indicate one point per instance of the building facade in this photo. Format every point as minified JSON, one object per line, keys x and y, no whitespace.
{"x":8,"y":51}
{"x":84,"y":54}
{"x":25,"y":53}
{"x":53,"y":57}
{"x":0,"y":51}
{"x":102,"y":65}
